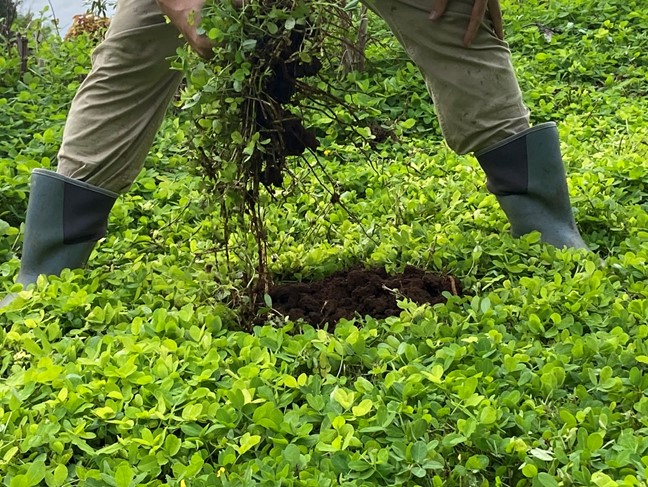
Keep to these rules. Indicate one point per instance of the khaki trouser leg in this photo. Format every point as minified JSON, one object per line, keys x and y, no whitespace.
{"x":120,"y":106}
{"x":475,"y":92}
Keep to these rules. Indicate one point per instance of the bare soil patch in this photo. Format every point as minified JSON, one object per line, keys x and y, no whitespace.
{"x":359,"y":291}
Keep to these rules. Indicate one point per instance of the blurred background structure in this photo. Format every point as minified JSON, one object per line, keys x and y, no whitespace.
{"x":65,"y":10}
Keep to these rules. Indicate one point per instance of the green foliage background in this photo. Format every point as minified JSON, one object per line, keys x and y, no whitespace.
{"x":135,"y":372}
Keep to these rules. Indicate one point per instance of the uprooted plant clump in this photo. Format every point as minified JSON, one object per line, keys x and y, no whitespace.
{"x":251,"y":99}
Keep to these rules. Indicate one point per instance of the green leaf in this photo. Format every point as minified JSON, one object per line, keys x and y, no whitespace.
{"x":419,"y":472}
{"x":408,"y":124}
{"x":594,"y":441}
{"x":195,"y":465}
{"x":468,"y":387}
{"x":172,"y":444}
{"x":339,"y":462}
{"x":488,"y":415}
{"x":292,"y":454}
{"x":477,"y":462}
{"x":351,"y":4}
{"x":467,"y":426}
{"x":110,"y":449}
{"x":9,"y":454}
{"x":60,"y":475}
{"x":150,"y":465}
{"x":20,"y":481}
{"x":105,"y":412}
{"x":268,"y":416}
{"x":36,"y":473}
{"x":452,"y":440}
{"x":124,"y":475}
{"x":343,"y":397}
{"x":419,"y":451}
{"x":436,"y":373}
{"x":545,"y":480}
{"x":249,"y":45}
{"x":602,"y":480}
{"x":363,"y":408}
{"x":529,"y":470}
{"x":248,"y":442}
{"x":544,"y":455}
{"x":192,"y":412}
{"x":568,"y":418}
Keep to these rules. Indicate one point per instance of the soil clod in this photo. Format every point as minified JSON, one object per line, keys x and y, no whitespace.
{"x":359,"y":291}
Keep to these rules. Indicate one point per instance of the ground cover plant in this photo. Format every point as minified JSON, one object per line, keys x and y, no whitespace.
{"x":139,"y":370}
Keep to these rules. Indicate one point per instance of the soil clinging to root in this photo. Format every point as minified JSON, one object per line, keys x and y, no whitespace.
{"x":359,"y":291}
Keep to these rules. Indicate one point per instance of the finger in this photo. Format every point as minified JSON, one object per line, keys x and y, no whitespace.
{"x":438,"y":9}
{"x":204,"y":47}
{"x":476,"y":18}
{"x":496,"y":16}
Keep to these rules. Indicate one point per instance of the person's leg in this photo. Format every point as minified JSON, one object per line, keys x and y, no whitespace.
{"x":119,"y":108}
{"x":475,"y":92}
{"x":480,"y":109}
{"x":110,"y":128}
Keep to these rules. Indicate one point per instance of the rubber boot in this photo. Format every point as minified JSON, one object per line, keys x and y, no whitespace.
{"x":65,"y":218}
{"x":526,"y":174}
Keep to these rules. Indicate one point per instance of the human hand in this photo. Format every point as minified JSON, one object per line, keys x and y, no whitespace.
{"x":185,"y":15}
{"x":476,"y":17}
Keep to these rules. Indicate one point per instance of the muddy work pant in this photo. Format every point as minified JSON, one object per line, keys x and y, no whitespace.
{"x":121,"y":104}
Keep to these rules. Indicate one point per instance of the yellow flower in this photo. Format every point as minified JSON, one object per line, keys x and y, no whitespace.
{"x":220,"y":472}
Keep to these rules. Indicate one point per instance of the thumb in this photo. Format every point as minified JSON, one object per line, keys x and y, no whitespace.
{"x":496,"y":15}
{"x":438,"y":9}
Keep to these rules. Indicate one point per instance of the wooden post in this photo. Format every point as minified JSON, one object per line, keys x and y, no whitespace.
{"x":353,"y":58}
{"x":23,"y":51}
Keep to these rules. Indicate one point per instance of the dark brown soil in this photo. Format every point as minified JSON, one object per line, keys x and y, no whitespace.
{"x":346,"y":294}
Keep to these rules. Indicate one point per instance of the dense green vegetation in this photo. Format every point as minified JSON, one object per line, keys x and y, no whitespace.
{"x":139,"y":371}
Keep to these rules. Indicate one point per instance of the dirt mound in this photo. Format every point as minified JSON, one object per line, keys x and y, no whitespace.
{"x":359,"y":291}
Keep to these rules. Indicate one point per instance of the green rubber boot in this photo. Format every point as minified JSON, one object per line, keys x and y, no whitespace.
{"x":526,"y":174}
{"x":65,"y":218}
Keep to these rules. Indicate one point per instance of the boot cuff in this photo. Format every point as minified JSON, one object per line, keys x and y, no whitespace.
{"x":506,"y":163}
{"x":75,"y":182}
{"x":85,"y":208}
{"x":512,"y":138}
